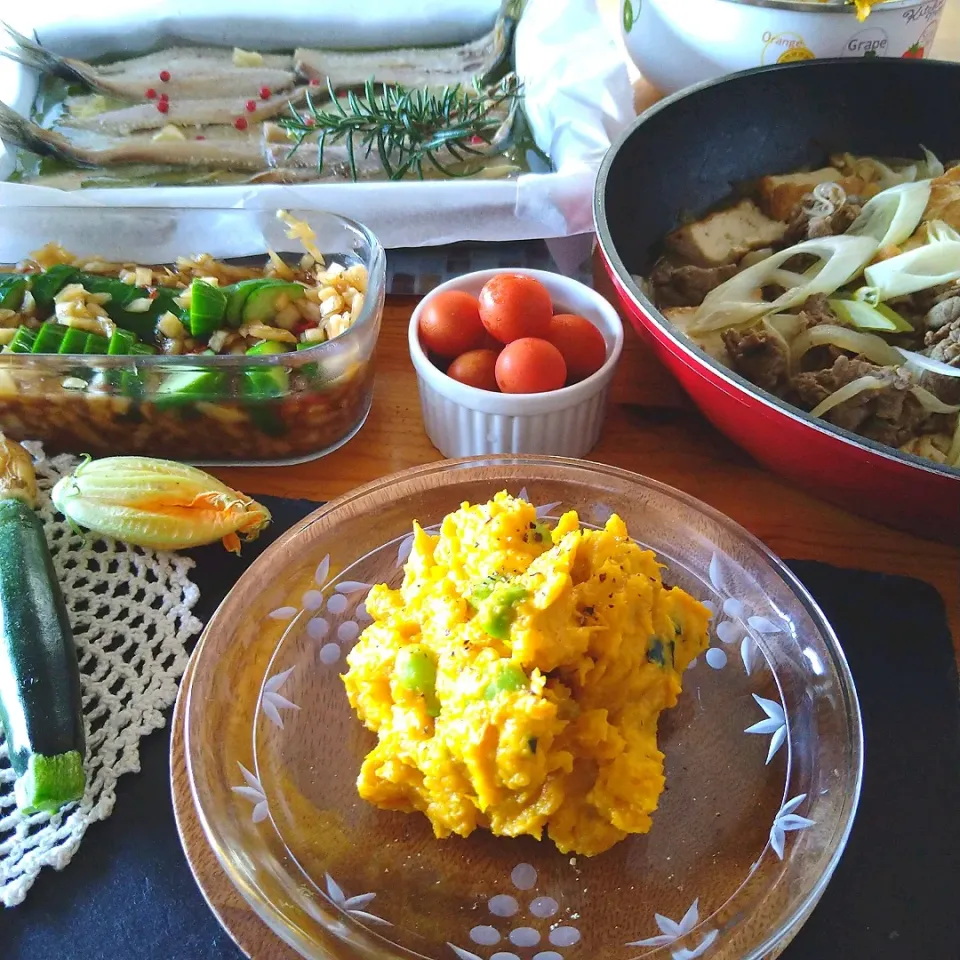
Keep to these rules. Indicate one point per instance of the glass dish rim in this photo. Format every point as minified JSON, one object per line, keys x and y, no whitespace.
{"x":799,"y":910}
{"x":375,"y":263}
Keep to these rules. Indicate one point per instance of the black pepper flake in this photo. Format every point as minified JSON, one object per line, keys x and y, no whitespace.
{"x":602,"y":577}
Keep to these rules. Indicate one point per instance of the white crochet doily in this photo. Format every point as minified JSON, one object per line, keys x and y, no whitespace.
{"x":130,"y":612}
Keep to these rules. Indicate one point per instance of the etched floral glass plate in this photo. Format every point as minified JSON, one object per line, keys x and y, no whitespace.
{"x":763,"y":751}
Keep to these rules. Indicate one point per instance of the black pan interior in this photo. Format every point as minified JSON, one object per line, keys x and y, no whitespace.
{"x":686,"y":154}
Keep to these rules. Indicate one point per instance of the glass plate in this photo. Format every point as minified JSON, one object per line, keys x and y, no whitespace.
{"x":763,"y":751}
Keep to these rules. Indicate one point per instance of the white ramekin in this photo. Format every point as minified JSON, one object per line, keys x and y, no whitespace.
{"x":463,"y":421}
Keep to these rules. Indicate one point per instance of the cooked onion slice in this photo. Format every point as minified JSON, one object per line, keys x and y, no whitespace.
{"x":869,"y":345}
{"x":931,"y":265}
{"x":932,"y":403}
{"x":737,"y":300}
{"x":893,"y":214}
{"x":928,"y":363}
{"x":847,"y":392}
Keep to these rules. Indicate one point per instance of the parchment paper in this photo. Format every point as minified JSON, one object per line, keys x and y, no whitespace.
{"x":577,"y":93}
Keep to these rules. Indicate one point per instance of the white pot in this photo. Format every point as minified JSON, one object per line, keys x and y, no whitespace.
{"x":675,"y":43}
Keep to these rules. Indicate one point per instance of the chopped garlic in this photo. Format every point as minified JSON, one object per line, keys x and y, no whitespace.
{"x":169,"y":132}
{"x":356,"y":276}
{"x":262,"y":332}
{"x":8,"y":318}
{"x":213,"y":281}
{"x":314,"y":335}
{"x":128,"y":277}
{"x":71,"y":292}
{"x":337,"y":324}
{"x":331,"y":305}
{"x":288,"y":317}
{"x":247,"y":58}
{"x":140,"y":305}
{"x":170,"y":326}
{"x":280,"y":268}
{"x":7,"y":334}
{"x":356,"y":305}
{"x":29,"y":304}
{"x":217,"y":340}
{"x":302,"y":231}
{"x":144,"y":277}
{"x":73,"y":383}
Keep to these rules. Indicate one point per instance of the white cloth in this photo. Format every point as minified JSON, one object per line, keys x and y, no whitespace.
{"x":130,"y":613}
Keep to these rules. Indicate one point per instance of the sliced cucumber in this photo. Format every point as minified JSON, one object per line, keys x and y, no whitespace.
{"x":190,"y":386}
{"x":48,"y":338}
{"x":121,"y":342}
{"x":47,"y":285}
{"x":261,"y":305}
{"x":266,"y":382}
{"x":237,"y":294}
{"x":74,"y":341}
{"x":12,"y":289}
{"x":208,"y":304}
{"x":22,"y":341}
{"x":97,"y":344}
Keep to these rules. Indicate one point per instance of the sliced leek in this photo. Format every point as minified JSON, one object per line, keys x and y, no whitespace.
{"x":892,"y":215}
{"x":865,"y":316}
{"x":931,"y":265}
{"x":739,"y":299}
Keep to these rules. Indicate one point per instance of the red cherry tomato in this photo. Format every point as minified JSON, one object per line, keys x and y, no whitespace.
{"x":580,"y":342}
{"x":530,"y":365}
{"x":513,"y":306}
{"x":475,"y":368}
{"x":450,"y":324}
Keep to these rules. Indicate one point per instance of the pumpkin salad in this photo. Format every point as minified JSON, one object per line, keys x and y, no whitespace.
{"x":516,"y":678}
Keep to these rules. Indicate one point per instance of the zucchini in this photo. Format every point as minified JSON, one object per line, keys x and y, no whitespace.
{"x":40,"y":703}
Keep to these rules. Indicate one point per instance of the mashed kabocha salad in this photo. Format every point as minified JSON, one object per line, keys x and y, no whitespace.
{"x":516,"y":678}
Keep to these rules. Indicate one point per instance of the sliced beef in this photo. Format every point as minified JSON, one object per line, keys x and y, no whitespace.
{"x":891,"y":415}
{"x":827,"y":211}
{"x":942,"y":314}
{"x":758,"y":355}
{"x":943,"y":344}
{"x":686,"y":286}
{"x":917,"y":306}
{"x":816,"y":310}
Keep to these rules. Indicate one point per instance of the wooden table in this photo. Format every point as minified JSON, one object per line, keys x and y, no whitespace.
{"x":652,"y":429}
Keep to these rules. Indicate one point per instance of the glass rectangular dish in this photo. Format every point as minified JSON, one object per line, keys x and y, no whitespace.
{"x":123,"y":405}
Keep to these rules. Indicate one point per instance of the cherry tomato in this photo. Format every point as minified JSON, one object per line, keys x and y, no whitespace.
{"x":580,"y":342}
{"x":475,"y":368}
{"x":450,"y":324}
{"x":513,"y":306}
{"x":530,"y":365}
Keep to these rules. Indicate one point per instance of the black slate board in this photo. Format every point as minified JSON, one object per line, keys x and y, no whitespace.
{"x":128,"y":893}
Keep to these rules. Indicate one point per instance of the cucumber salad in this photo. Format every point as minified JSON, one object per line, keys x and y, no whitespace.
{"x":55,"y":302}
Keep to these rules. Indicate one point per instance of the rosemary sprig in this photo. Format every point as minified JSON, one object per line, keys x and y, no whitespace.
{"x":411,"y":129}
